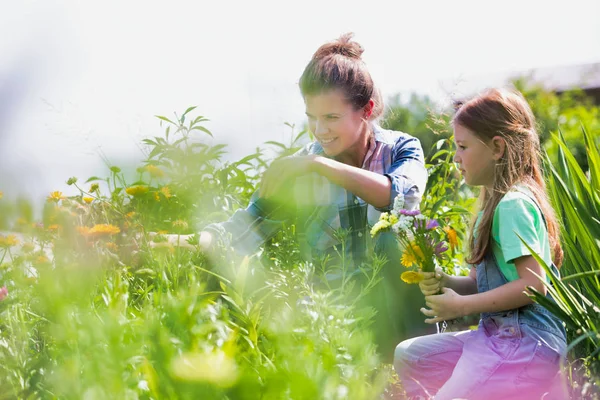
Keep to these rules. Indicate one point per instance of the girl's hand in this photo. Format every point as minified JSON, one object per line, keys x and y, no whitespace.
{"x":433,"y":282}
{"x":445,"y":306}
{"x":283,"y":170}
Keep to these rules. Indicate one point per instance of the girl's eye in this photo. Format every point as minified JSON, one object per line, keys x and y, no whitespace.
{"x":462,"y":147}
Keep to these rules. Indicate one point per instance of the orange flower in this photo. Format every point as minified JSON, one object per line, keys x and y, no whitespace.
{"x":452,"y":237}
{"x":98,"y":231}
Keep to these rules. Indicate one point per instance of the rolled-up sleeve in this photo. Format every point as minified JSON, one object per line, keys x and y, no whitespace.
{"x":248,"y":229}
{"x":407,"y":172}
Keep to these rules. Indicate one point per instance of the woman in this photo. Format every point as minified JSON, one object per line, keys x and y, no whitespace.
{"x":343,"y":180}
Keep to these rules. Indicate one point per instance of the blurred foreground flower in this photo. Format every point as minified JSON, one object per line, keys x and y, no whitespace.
{"x":3,"y":293}
{"x":55,"y":197}
{"x":8,"y":241}
{"x":98,"y":231}
{"x":155,"y":171}
{"x":216,"y":368}
{"x":137,"y":190}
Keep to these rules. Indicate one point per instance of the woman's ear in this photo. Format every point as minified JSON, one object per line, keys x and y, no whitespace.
{"x":498,"y":147}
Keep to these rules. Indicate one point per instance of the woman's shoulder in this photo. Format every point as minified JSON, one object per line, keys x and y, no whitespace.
{"x":390,"y":137}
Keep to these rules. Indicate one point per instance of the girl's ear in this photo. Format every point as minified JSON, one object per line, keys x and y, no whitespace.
{"x":498,"y":147}
{"x":369,"y":109}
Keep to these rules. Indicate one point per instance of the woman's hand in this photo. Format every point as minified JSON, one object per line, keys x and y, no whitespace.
{"x":283,"y":170}
{"x":433,"y":282}
{"x":445,"y":306}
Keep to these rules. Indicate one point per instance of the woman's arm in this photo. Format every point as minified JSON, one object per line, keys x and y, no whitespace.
{"x":372,"y":187}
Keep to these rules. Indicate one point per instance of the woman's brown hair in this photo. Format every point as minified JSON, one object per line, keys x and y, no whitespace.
{"x":338,"y":65}
{"x":504,"y":113}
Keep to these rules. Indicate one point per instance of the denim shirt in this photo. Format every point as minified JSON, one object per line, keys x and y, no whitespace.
{"x":321,"y":209}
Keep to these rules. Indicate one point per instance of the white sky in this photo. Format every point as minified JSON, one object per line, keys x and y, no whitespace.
{"x":78,"y":79}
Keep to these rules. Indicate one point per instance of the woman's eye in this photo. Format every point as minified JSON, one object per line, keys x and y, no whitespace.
{"x":332,"y":117}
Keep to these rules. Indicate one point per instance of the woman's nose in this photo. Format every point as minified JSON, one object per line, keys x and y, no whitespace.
{"x":320,"y":128}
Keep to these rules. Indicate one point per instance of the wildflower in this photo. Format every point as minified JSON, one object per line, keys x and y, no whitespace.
{"x":87,"y":199}
{"x":3,"y":293}
{"x":166,"y":192}
{"x":431,"y":224}
{"x":137,"y":190}
{"x":100,"y":230}
{"x":53,"y":227}
{"x":55,"y":197}
{"x":8,"y":241}
{"x":411,"y":277}
{"x":41,"y":259}
{"x":111,"y":246}
{"x":155,"y":171}
{"x":130,"y":214}
{"x":180,"y":225}
{"x":94,"y":187}
{"x":440,"y":248}
{"x":156,"y":196}
{"x":412,"y":254}
{"x":452,"y":237}
{"x":399,"y":202}
{"x":381,"y":225}
{"x":413,"y":213}
{"x":83,"y":230}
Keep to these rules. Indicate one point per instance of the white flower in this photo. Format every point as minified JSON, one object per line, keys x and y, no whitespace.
{"x":399,"y":202}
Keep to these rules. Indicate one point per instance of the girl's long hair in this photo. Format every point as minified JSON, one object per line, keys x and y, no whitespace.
{"x":504,"y":113}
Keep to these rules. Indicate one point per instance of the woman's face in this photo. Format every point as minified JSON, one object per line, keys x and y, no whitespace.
{"x":334,"y":122}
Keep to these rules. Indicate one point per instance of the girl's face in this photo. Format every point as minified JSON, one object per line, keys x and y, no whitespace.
{"x":336,"y":125}
{"x":475,"y":158}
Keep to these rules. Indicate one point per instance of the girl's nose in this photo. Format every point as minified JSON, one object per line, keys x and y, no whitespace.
{"x":456,"y":158}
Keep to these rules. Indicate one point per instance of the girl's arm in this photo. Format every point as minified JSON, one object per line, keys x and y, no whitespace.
{"x":450,"y":305}
{"x":434,"y":282}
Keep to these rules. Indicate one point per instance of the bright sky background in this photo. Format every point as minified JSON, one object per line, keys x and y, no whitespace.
{"x":79,"y":79}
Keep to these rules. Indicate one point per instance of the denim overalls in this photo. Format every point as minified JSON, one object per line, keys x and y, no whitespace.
{"x":513,"y":354}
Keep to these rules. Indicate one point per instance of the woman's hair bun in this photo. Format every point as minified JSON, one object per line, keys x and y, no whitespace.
{"x":343,"y":46}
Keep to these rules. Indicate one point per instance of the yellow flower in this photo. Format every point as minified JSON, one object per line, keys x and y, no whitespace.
{"x":155,"y":171}
{"x":87,"y":199}
{"x":452,"y":237}
{"x":411,"y":277}
{"x":156,"y":196}
{"x":8,"y":241}
{"x":180,"y":225}
{"x":102,"y":230}
{"x":53,"y":227}
{"x":166,"y":191}
{"x":130,"y":214}
{"x":55,"y":197}
{"x":380,"y":225}
{"x":393,"y":219}
{"x":137,"y":190}
{"x":412,"y":254}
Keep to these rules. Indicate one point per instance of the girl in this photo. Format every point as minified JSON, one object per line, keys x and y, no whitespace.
{"x":516,"y":351}
{"x":344,"y":179}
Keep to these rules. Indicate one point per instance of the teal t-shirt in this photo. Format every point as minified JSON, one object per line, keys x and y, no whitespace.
{"x":517,"y":213}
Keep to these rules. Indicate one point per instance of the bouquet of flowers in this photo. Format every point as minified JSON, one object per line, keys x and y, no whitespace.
{"x":423,"y":240}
